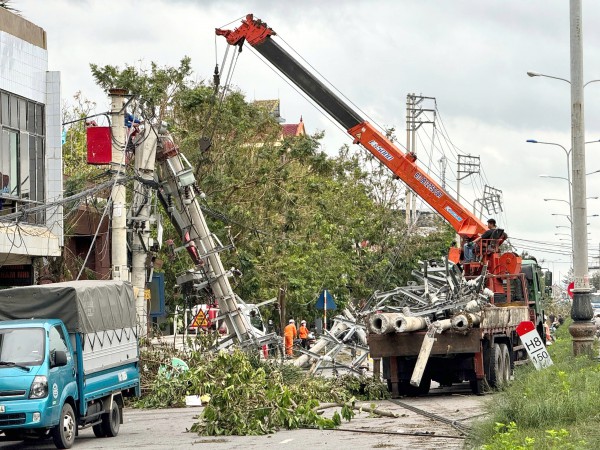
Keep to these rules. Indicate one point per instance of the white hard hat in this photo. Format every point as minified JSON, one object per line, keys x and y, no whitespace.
{"x":291,"y":320}
{"x":304,"y":321}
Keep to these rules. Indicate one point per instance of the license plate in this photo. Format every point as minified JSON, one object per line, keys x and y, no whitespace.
{"x":2,"y":409}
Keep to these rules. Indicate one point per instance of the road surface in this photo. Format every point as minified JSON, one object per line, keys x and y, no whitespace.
{"x":166,"y":429}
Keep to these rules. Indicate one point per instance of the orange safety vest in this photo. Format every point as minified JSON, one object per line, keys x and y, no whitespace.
{"x":303,"y":332}
{"x":290,"y":330}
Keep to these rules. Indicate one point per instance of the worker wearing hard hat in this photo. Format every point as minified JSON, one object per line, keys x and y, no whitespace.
{"x":303,"y":334}
{"x":289,"y":334}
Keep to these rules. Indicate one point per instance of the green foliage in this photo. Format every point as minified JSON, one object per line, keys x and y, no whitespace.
{"x":154,"y":89}
{"x":248,"y":397}
{"x":556,"y":407}
{"x":507,"y":437}
{"x":364,"y":388}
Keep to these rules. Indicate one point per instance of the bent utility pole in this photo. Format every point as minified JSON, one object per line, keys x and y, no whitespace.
{"x":145,"y":159}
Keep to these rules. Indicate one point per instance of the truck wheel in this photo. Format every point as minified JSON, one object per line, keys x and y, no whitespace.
{"x":98,"y":430}
{"x":505,"y":364}
{"x":495,"y":374}
{"x":111,"y":422}
{"x":63,"y":434}
{"x":477,"y":386}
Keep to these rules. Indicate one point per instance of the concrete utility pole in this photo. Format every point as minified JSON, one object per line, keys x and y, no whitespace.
{"x":145,"y":160}
{"x":120,"y":271}
{"x":582,"y":328}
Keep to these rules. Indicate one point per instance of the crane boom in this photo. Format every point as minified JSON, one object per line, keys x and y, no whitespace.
{"x":403,"y":165}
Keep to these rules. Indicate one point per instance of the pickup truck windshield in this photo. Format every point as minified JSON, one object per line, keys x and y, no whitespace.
{"x":21,"y":346}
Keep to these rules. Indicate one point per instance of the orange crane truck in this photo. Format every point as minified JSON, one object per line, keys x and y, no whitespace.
{"x":483,"y":354}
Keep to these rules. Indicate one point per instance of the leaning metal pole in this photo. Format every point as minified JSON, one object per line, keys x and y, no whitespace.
{"x":582,"y":330}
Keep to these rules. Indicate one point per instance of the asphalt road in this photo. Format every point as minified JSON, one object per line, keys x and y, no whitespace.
{"x":166,"y":429}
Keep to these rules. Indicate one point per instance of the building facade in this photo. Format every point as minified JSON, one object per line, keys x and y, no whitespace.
{"x":31,"y":186}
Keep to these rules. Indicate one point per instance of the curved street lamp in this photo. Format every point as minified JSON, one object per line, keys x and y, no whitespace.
{"x":532,"y":73}
{"x":581,"y":310}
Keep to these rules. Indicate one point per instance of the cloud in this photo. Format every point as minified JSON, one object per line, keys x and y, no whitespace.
{"x":471,"y":55}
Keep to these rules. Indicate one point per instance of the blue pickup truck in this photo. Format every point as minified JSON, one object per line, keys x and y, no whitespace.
{"x":68,"y":357}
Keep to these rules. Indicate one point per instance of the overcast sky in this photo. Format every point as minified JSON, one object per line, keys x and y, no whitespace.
{"x":471,"y":55}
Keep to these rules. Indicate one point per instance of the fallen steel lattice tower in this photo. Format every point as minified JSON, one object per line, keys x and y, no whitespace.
{"x":444,"y":300}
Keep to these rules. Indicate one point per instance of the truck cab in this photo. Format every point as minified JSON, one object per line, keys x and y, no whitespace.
{"x":37,"y":374}
{"x":68,"y":357}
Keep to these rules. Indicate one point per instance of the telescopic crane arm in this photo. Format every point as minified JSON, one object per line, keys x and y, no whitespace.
{"x":403,"y":165}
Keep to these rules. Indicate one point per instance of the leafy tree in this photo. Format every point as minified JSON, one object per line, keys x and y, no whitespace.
{"x":299,"y":219}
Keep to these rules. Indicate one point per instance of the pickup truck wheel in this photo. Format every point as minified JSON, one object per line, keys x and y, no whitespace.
{"x":98,"y":430}
{"x":63,"y":434}
{"x":495,"y":375}
{"x":111,"y":422}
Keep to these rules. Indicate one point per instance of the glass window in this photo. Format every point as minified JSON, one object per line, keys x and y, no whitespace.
{"x":9,"y":162}
{"x":32,"y":167}
{"x":39,"y":119}
{"x":22,"y":163}
{"x":23,"y":346}
{"x":4,"y":162}
{"x":25,"y":181}
{"x":14,"y":114}
{"x":14,"y":161}
{"x":58,"y":342}
{"x":4,"y":108}
{"x":22,"y":114}
{"x":31,"y":117}
{"x":39,"y":155}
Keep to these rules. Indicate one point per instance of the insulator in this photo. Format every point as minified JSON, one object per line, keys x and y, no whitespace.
{"x":187,"y":195}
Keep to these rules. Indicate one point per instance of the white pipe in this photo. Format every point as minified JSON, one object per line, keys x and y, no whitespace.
{"x":408,"y":323}
{"x":382,"y":323}
{"x":465,"y":321}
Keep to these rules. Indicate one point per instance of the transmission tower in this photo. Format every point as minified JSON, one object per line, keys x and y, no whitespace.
{"x":491,"y":201}
{"x":414,"y":121}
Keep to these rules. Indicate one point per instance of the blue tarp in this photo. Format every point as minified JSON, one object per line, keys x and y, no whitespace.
{"x":330,"y":302}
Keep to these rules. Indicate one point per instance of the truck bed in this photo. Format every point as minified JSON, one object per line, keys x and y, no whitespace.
{"x":494,"y":320}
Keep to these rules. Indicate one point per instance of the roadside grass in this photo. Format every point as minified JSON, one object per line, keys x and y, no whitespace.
{"x":554,"y":408}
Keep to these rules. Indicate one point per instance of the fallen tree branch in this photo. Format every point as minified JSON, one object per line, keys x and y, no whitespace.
{"x":375,"y":411}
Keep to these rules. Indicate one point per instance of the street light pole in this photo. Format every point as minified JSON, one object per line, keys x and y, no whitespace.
{"x":582,"y":330}
{"x":568,"y":155}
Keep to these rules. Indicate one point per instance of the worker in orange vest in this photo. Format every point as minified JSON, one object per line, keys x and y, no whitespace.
{"x":289,"y":334}
{"x":303,"y":334}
